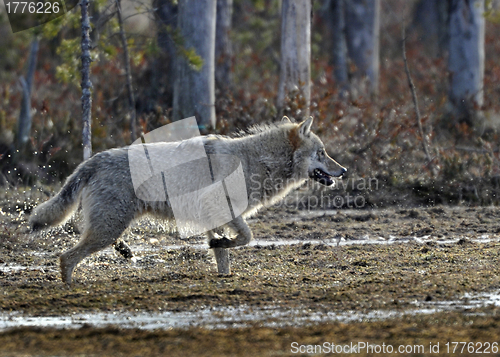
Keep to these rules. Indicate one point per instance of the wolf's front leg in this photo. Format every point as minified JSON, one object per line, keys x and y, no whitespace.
{"x":221,"y":256}
{"x":243,"y":237}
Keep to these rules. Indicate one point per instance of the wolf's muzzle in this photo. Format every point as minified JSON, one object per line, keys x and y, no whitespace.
{"x":324,"y":178}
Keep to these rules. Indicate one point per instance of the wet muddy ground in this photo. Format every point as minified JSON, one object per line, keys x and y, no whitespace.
{"x":399,"y":277}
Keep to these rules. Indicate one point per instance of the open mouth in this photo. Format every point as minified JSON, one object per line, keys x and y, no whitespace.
{"x":322,"y":177}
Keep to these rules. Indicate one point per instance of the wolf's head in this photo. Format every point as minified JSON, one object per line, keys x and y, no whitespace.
{"x":310,"y":155}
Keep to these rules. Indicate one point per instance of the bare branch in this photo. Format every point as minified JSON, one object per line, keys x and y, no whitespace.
{"x":414,"y":96}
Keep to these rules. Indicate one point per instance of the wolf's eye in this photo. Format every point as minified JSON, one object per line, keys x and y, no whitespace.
{"x":321,"y":152}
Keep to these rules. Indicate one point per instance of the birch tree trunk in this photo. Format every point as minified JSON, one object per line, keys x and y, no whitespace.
{"x":295,"y":61}
{"x":86,"y":84}
{"x":362,"y":18}
{"x":223,"y":50}
{"x":466,"y":57}
{"x":194,"y":91}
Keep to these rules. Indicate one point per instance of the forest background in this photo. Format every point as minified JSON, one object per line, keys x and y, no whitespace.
{"x":364,"y":111}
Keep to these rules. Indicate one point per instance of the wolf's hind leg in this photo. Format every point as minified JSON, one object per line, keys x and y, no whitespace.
{"x":243,"y":237}
{"x":101,"y":230}
{"x":88,"y":244}
{"x":91,"y":242}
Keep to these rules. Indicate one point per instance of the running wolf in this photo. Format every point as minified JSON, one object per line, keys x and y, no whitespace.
{"x":278,"y":157}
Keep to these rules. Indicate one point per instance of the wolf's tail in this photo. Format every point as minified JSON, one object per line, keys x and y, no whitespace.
{"x":59,"y":208}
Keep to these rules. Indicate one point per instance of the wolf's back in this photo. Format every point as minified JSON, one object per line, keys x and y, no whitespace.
{"x":59,"y":208}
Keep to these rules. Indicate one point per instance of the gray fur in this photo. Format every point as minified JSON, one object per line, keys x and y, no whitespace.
{"x":284,"y":155}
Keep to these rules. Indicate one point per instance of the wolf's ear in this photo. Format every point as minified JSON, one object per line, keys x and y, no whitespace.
{"x":305,"y":127}
{"x":286,"y":120}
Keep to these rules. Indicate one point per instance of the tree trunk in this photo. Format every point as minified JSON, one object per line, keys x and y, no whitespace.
{"x":166,"y":12}
{"x":295,"y":64}
{"x":24,"y":121}
{"x":86,"y":84}
{"x":194,"y":91}
{"x":223,"y":49}
{"x":128,"y":74}
{"x":166,"y":19}
{"x":466,"y":57}
{"x":362,"y":37}
{"x":431,"y":20}
{"x":337,"y":23}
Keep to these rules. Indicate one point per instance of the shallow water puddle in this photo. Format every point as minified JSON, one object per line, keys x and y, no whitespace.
{"x":145,"y":247}
{"x":237,"y":317}
{"x":12,"y":268}
{"x":330,"y":242}
{"x":216,"y":318}
{"x":467,"y":302}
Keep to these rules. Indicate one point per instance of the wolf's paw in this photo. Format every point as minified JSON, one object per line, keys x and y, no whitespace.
{"x":35,"y":227}
{"x":122,"y":248}
{"x":221,"y":243}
